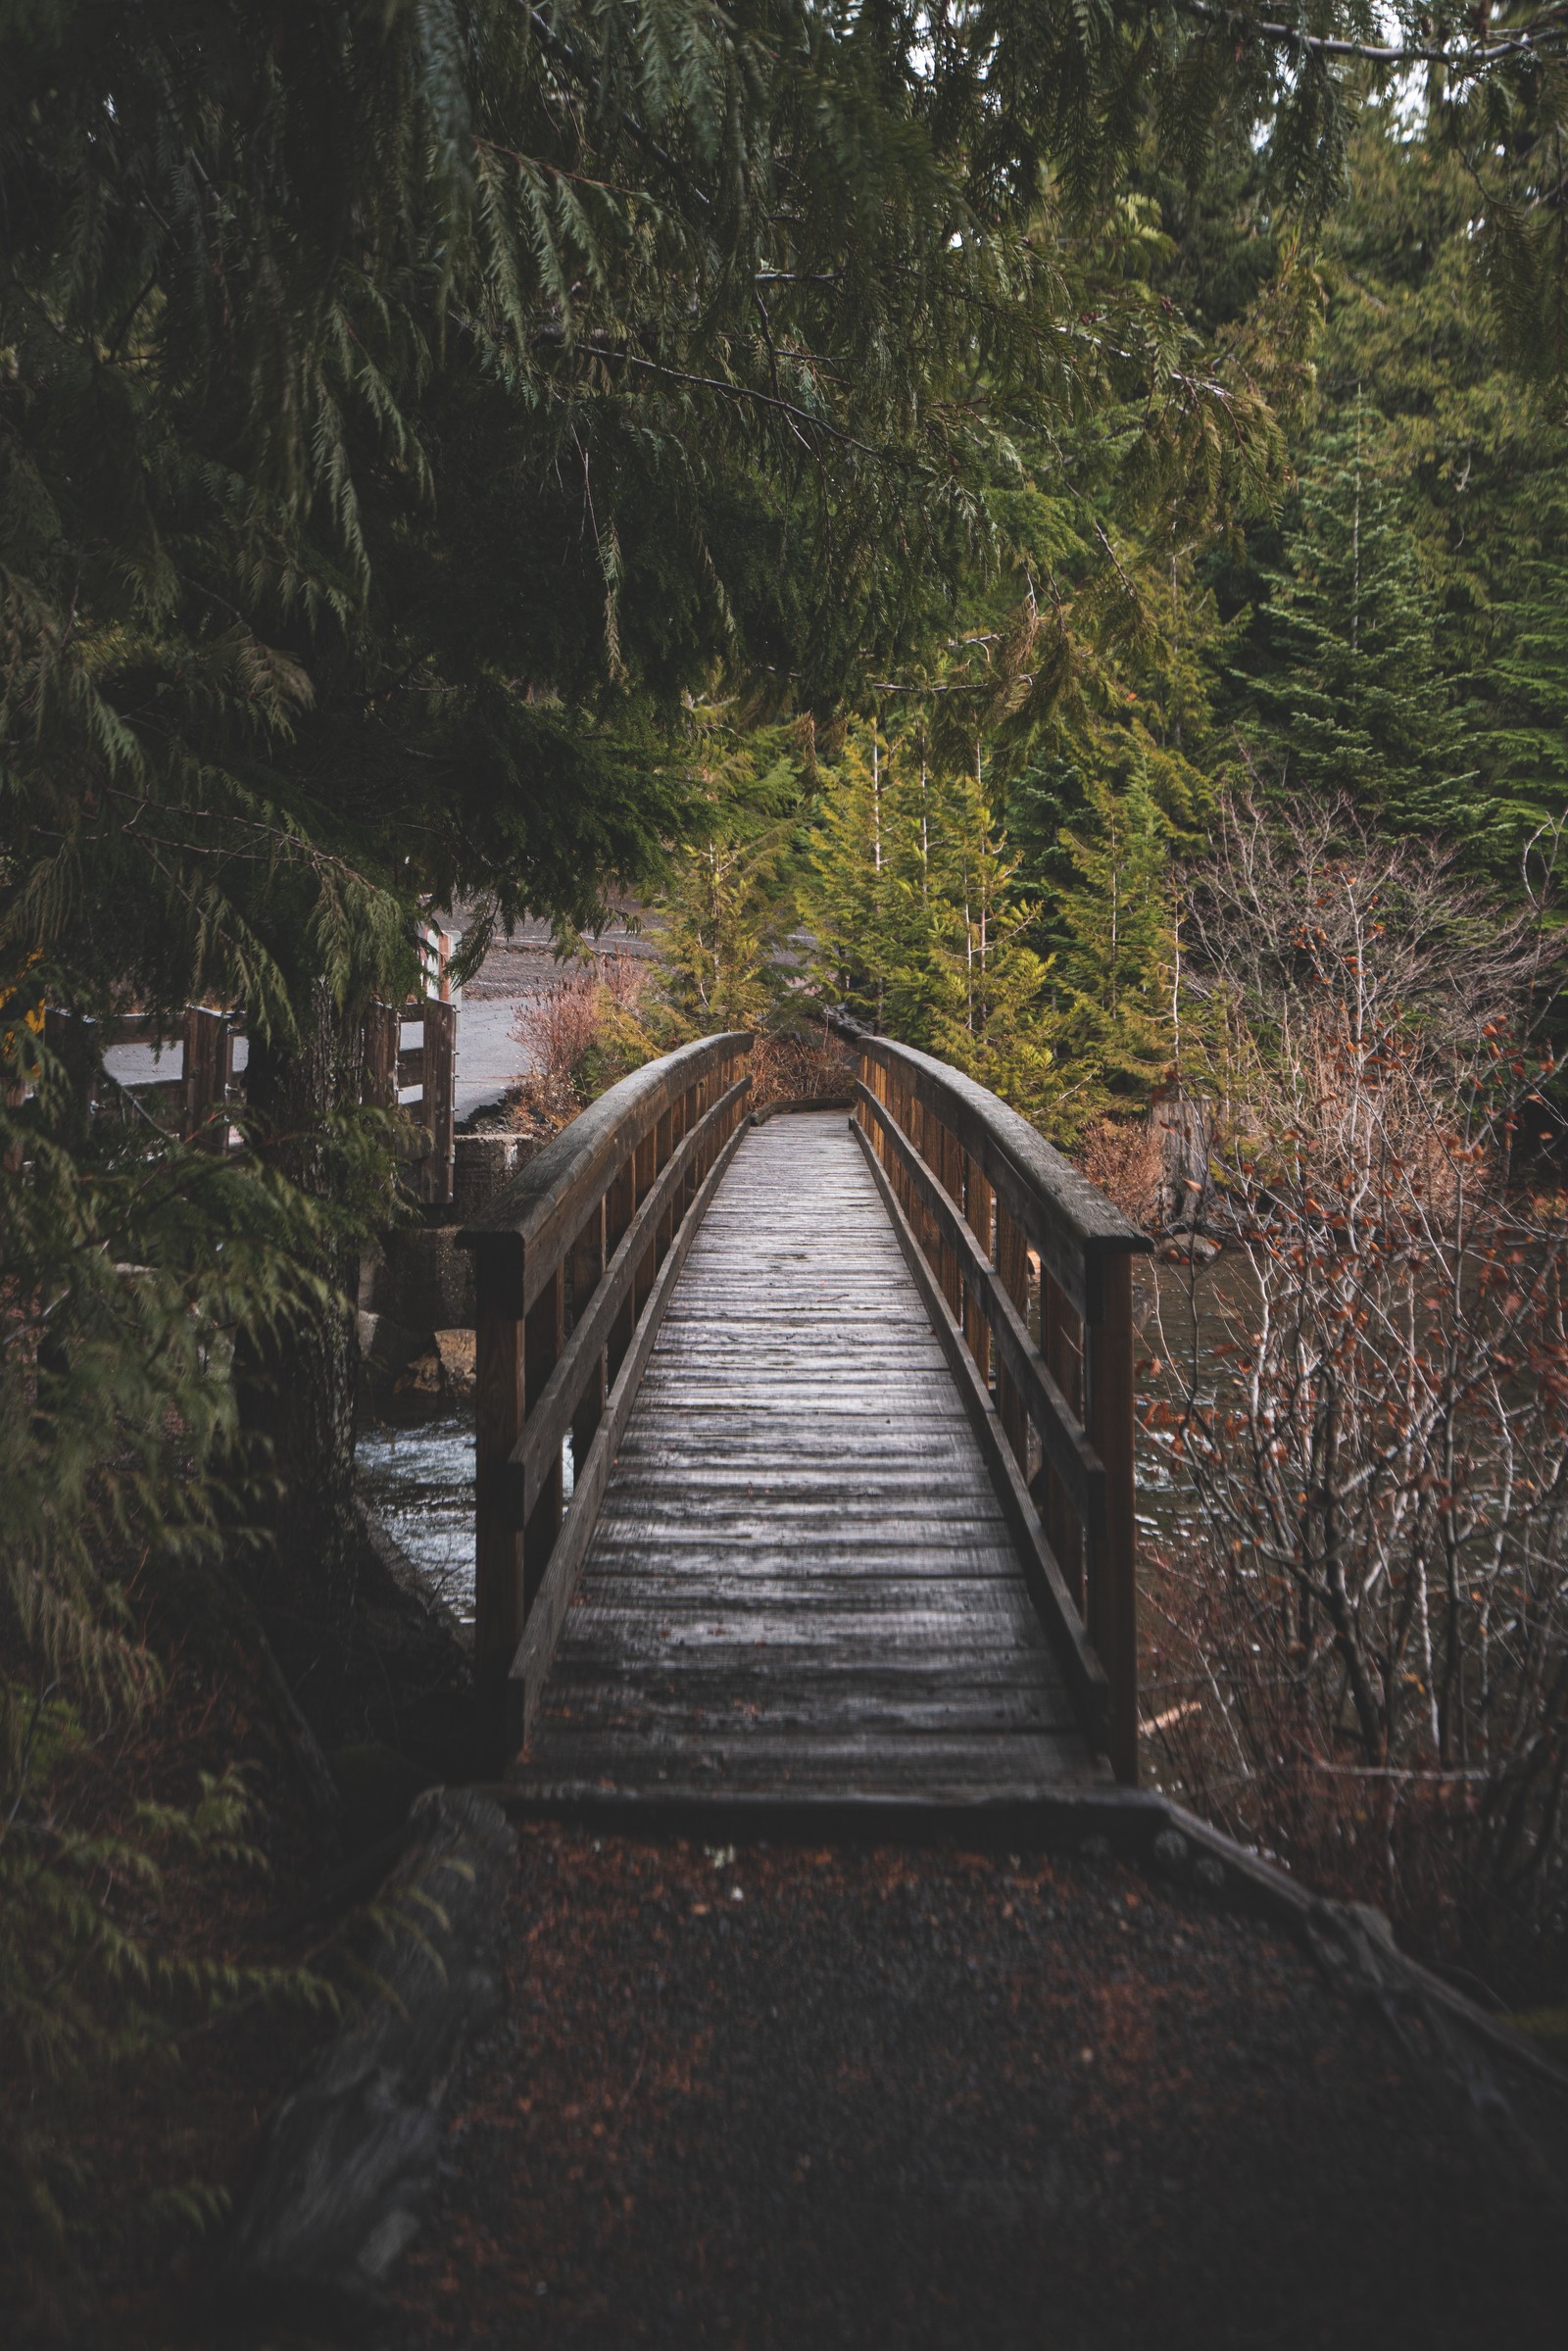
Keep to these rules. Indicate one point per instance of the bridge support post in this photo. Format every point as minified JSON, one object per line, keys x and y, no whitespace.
{"x":1113,"y":1588}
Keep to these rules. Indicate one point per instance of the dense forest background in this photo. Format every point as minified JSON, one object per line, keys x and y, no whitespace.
{"x":983,"y":850}
{"x":1039,"y":524}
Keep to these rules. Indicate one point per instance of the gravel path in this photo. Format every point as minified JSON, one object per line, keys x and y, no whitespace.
{"x":923,"y":2098}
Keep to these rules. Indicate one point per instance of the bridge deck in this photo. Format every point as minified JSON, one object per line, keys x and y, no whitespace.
{"x":801,"y":1582}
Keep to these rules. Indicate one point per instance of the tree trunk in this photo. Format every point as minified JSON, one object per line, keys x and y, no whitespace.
{"x":297,"y":1389}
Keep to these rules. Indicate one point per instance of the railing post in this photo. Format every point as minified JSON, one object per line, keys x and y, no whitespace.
{"x":977,"y":1210}
{"x":1113,"y":1591}
{"x":948,"y":1168}
{"x":1062,"y":1337}
{"x":498,"y":1533}
{"x":544,"y":1337}
{"x":1012,"y":1270}
{"x":586,"y":1267}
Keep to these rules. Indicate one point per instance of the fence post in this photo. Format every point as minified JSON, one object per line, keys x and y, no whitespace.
{"x":440,"y":1058}
{"x":383,"y":1024}
{"x":206,"y":1066}
{"x":1113,"y":1588}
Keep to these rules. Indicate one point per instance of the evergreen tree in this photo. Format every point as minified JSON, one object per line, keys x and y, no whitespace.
{"x":1115,"y":966}
{"x":1350,"y":694}
{"x":989,"y":1011}
{"x":726,"y":912}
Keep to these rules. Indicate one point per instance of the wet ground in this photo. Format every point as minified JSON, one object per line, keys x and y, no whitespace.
{"x":794,"y":2097}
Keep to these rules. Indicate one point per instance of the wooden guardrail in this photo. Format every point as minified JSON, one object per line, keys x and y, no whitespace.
{"x":1003,"y":1233}
{"x":574,"y":1263}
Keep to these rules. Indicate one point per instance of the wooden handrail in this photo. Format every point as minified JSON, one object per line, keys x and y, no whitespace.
{"x":574,"y":1262}
{"x":996,"y":1224}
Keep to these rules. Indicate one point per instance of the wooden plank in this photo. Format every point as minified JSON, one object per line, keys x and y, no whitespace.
{"x":1061,"y":1430}
{"x":532,"y":1219}
{"x":1067,"y":1217}
{"x":541,"y":1630}
{"x":550,"y":1417}
{"x":1064,"y":1625}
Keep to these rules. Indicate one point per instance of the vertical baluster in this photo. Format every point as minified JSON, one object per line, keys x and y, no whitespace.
{"x":679,"y":1119}
{"x":948,"y":1167}
{"x":977,"y":1199}
{"x":663,"y":1144}
{"x":498,"y":1531}
{"x":1012,"y":1265}
{"x":1113,"y":1626}
{"x":646,"y":1159}
{"x":620,"y":1205}
{"x":585,"y":1267}
{"x":544,"y":1337}
{"x":1061,"y":1344}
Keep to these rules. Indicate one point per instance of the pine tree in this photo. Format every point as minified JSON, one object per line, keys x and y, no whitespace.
{"x":1350,"y":694}
{"x":989,"y":1011}
{"x":725,"y":914}
{"x":1115,"y":969}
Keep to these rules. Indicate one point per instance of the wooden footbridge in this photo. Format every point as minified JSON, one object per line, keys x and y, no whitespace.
{"x":805,"y":1449}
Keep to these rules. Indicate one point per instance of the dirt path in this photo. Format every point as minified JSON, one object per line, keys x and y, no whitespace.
{"x":921,"y":2097}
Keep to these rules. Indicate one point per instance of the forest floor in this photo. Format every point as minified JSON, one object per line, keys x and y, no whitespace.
{"x":927,"y":2096}
{"x":783,"y":2096}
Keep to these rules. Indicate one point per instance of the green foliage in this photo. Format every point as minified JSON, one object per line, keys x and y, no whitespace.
{"x":1116,"y":1022}
{"x":916,"y":927}
{"x":127,"y":1264}
{"x":1348,"y":682}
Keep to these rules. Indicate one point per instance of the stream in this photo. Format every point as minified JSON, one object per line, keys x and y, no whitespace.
{"x":417,"y":1475}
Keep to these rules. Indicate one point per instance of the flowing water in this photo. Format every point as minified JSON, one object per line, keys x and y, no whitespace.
{"x":418,"y":1476}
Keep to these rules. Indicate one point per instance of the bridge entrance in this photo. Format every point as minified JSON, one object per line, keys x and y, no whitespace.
{"x":805,"y":1451}
{"x":802,"y":1582}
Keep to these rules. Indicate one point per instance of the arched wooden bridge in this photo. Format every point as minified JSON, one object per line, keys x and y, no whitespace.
{"x":805,"y":1449}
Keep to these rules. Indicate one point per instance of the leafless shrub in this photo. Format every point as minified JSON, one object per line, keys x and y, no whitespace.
{"x":799,"y":1068}
{"x":556,"y":1031}
{"x":1126,"y":1158}
{"x":1364,"y":1613}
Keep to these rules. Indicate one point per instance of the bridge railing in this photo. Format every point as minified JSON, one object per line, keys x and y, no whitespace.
{"x":574,"y":1263}
{"x":1010,"y":1240}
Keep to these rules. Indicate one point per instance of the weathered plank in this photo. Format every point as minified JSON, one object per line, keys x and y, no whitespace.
{"x":801,"y":1577}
